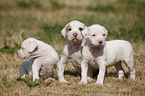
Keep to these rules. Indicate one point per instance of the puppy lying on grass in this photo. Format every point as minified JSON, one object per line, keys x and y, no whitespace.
{"x":100,"y":54}
{"x":43,"y":59}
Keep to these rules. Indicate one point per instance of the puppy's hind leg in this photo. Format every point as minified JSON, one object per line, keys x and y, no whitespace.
{"x":23,"y":71}
{"x":119,"y":69}
{"x":130,"y":65}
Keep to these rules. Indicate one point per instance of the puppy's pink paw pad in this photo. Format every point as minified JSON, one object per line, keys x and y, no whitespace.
{"x":51,"y":79}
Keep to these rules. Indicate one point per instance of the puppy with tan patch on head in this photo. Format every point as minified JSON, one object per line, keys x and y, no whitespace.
{"x":73,"y":30}
{"x":100,"y":54}
{"x":72,"y":49}
{"x":43,"y":59}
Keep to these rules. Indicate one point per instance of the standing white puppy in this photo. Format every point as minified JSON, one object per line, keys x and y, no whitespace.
{"x":43,"y":59}
{"x":100,"y":54}
{"x":72,"y":49}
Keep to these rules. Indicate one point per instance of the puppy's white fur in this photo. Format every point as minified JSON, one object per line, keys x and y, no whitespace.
{"x":100,"y":54}
{"x":43,"y":59}
{"x":72,"y":49}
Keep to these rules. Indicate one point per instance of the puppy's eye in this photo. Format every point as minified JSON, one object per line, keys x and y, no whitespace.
{"x":93,"y":35}
{"x":103,"y":34}
{"x":81,"y":29}
{"x":69,"y":29}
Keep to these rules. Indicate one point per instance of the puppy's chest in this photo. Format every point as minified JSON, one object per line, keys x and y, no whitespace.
{"x":74,"y":52}
{"x":94,"y":63}
{"x":75,"y":55}
{"x":76,"y":59}
{"x":94,"y":59}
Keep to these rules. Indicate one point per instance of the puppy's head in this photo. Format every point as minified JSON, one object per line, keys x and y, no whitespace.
{"x":96,"y":35}
{"x":27,"y":47}
{"x":73,"y":30}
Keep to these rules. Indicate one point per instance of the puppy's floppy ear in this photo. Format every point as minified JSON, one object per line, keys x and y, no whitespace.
{"x":63,"y":31}
{"x":105,"y":32}
{"x":32,"y":46}
{"x":85,"y":32}
{"x":85,"y":27}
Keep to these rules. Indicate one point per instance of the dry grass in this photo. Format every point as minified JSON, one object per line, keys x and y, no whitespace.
{"x":9,"y":74}
{"x":44,"y":19}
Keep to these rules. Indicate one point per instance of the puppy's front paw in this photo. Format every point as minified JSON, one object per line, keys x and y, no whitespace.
{"x":63,"y":81}
{"x":98,"y":83}
{"x":26,"y":76}
{"x":36,"y":80}
{"x":82,"y":82}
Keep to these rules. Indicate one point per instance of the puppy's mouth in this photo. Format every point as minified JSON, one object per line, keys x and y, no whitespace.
{"x":100,"y":45}
{"x":75,"y":40}
{"x":96,"y":46}
{"x":22,"y":57}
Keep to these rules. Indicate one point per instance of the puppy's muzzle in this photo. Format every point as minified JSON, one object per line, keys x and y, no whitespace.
{"x":20,"y":55}
{"x":75,"y":34}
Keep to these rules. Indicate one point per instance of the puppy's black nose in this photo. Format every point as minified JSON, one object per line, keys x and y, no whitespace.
{"x":100,"y":42}
{"x":75,"y":34}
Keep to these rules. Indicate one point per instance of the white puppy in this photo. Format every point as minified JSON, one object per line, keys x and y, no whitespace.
{"x":72,"y":48}
{"x":100,"y":54}
{"x":43,"y":59}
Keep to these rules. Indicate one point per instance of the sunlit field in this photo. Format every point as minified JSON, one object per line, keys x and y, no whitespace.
{"x":44,"y":20}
